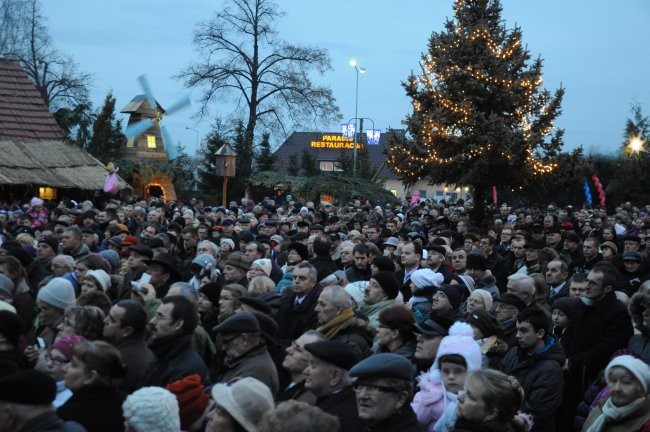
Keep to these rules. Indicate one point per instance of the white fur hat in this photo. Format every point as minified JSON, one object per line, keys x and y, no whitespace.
{"x":264,"y":264}
{"x":426,"y":277}
{"x":152,"y":409}
{"x":102,"y":278}
{"x":638,"y":368}
{"x":246,"y":401}
{"x":460,"y":342}
{"x":485,"y":296}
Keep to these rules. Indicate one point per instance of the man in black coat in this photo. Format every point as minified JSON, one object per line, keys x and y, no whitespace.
{"x":297,"y":311}
{"x":327,"y":377}
{"x":322,"y":261}
{"x":537,"y":362}
{"x":601,"y":325}
{"x":172,"y":329}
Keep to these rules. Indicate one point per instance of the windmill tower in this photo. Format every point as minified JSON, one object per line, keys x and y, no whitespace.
{"x":148,"y":146}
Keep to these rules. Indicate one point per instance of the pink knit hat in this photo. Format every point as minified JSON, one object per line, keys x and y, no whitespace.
{"x":460,"y":342}
{"x":66,"y":343}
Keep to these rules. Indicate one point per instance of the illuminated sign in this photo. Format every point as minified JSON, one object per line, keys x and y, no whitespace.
{"x":347,"y":130}
{"x":335,"y":142}
{"x":372,"y":136}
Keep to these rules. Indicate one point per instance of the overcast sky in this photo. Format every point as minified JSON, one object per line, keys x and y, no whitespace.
{"x":598,"y":50}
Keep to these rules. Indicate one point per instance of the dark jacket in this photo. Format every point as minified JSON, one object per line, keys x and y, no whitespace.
{"x":324,"y":266}
{"x":640,"y":343}
{"x":293,"y":320}
{"x":136,"y":356}
{"x":297,"y":392}
{"x":564,"y":292}
{"x":175,"y":359}
{"x":404,"y":421}
{"x":405,"y":286}
{"x":50,"y":422}
{"x":342,"y":404}
{"x":97,"y":407}
{"x":256,"y":363}
{"x":581,"y":265}
{"x":541,"y":377}
{"x":463,"y":425}
{"x":353,"y":274}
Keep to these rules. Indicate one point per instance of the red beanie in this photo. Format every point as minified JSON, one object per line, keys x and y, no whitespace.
{"x":192,"y":400}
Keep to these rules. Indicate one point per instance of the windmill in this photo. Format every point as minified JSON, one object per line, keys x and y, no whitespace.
{"x":149,"y":140}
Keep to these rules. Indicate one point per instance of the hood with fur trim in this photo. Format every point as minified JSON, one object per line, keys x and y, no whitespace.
{"x":638,"y":304}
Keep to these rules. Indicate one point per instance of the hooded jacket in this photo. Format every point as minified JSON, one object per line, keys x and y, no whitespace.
{"x":640,"y":343}
{"x":541,"y":377}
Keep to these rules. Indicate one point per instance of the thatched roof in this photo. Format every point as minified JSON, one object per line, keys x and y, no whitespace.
{"x":50,"y":163}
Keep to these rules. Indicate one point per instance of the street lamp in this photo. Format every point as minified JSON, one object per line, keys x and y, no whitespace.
{"x":358,"y":70}
{"x":636,"y":145}
{"x":197,"y":136}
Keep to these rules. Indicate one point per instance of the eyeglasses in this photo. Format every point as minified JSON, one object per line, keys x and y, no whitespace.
{"x":372,"y":389}
{"x":56,"y":360}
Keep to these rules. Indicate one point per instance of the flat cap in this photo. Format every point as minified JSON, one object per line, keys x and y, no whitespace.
{"x":338,"y":353}
{"x":241,"y":322}
{"x":430,"y":328}
{"x":436,"y":248}
{"x":28,"y":387}
{"x":143,"y":250}
{"x":631,"y":256}
{"x":384,"y":365}
{"x":511,"y":299}
{"x":239,"y":260}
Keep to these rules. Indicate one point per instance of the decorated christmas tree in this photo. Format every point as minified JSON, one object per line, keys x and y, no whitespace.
{"x":480,"y":115}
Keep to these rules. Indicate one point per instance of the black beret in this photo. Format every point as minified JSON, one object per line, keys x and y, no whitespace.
{"x":486,"y":323}
{"x":256,"y":303}
{"x":241,"y":322}
{"x":567,"y":305}
{"x":388,"y":283}
{"x":51,"y":241}
{"x":316,"y":227}
{"x":338,"y":353}
{"x":384,"y":365}
{"x":143,"y":250}
{"x":211,"y":290}
{"x":556,"y":229}
{"x":301,"y":249}
{"x":156,"y":243}
{"x":511,"y":299}
{"x":536,"y":244}
{"x":476,"y":261}
{"x":28,"y":387}
{"x":429,"y":327}
{"x":437,"y":248}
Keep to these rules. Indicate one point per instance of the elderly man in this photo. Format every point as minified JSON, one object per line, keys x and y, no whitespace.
{"x":507,"y":307}
{"x":245,"y":352}
{"x":338,"y":321}
{"x":296,"y":313}
{"x":328,"y":378}
{"x":235,"y":269}
{"x":384,"y":388}
{"x":522,"y":286}
{"x":557,"y":273}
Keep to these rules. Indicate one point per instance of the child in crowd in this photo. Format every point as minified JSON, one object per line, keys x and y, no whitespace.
{"x":435,"y":402}
{"x":563,"y":310}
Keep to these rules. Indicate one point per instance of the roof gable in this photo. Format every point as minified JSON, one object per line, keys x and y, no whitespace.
{"x":23,"y":113}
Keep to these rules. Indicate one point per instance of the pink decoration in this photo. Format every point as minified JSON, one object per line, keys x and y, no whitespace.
{"x":415,"y":198}
{"x":599,"y":187}
{"x":111,"y":184}
{"x":494,"y":195}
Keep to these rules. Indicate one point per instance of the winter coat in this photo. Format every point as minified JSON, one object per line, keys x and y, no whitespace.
{"x":50,"y":422}
{"x":640,"y":343}
{"x":403,"y":421}
{"x":637,"y":420}
{"x":463,"y":425}
{"x":630,"y":282}
{"x":96,"y":407}
{"x":541,"y":377}
{"x":256,"y":363}
{"x":175,"y":359}
{"x":136,"y":356}
{"x":342,"y":404}
{"x":293,"y":320}
{"x":325,"y":266}
{"x":359,"y":335}
{"x":429,"y":402}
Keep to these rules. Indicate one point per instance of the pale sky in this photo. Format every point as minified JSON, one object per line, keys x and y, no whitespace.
{"x":598,"y":50}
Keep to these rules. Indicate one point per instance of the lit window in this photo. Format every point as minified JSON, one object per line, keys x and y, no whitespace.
{"x":327,"y":166}
{"x":393,"y":191}
{"x":47,"y":193}
{"x":151,"y":141}
{"x":129,"y":143}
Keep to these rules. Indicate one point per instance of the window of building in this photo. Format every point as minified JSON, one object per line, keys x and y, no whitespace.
{"x":47,"y":193}
{"x":423,"y":193}
{"x":439,"y":193}
{"x":151,"y":141}
{"x":393,"y":191}
{"x":330,"y":166}
{"x":129,"y":143}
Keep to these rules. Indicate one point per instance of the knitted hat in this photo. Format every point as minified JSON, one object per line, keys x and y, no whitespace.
{"x":426,"y":277}
{"x":6,"y":286}
{"x":264,"y":264}
{"x":229,"y":242}
{"x":11,"y":326}
{"x":246,"y":401}
{"x":115,"y":241}
{"x":486,"y":323}
{"x":203,"y":260}
{"x":468,"y":281}
{"x":35,"y":202}
{"x":388,"y":283}
{"x":610,"y":245}
{"x":28,"y":387}
{"x":212,"y":291}
{"x":238,"y":259}
{"x":58,"y":292}
{"x":66,"y":343}
{"x":476,"y":261}
{"x":51,"y":241}
{"x":454,"y":293}
{"x":485,"y":296}
{"x":567,"y":305}
{"x":152,"y":409}
{"x":102,"y":278}
{"x":460,"y":342}
{"x":638,"y":368}
{"x":112,"y":257}
{"x":192,"y":400}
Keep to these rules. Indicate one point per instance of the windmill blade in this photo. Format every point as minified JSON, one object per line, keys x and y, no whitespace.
{"x":144,"y":84}
{"x":183,"y":102}
{"x":169,"y":144}
{"x":138,"y":128}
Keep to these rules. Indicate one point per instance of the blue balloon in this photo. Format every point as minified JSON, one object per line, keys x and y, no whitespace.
{"x":587,"y":192}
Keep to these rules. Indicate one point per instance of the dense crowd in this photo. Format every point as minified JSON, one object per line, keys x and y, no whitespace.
{"x":140,"y":315}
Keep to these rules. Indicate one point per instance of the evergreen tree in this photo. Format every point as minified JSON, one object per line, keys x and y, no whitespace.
{"x":107,"y":133}
{"x":293,"y":166}
{"x":265,"y":159}
{"x":309,"y":167}
{"x":480,"y":116}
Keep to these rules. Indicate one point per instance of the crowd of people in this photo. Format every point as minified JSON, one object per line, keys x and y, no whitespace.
{"x":139,"y":315}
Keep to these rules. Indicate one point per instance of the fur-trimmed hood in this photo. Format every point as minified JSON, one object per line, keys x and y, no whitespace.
{"x":638,"y":304}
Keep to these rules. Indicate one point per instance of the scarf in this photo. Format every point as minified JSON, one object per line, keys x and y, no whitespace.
{"x":336,"y":324}
{"x":612,"y":413}
{"x":447,"y":420}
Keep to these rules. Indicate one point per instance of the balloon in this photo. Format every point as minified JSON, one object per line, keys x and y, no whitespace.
{"x":599,"y":187}
{"x":587,"y":192}
{"x":494,"y":195}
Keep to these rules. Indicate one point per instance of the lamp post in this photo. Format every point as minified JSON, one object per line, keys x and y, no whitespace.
{"x":197,"y":136}
{"x":358,"y":70}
